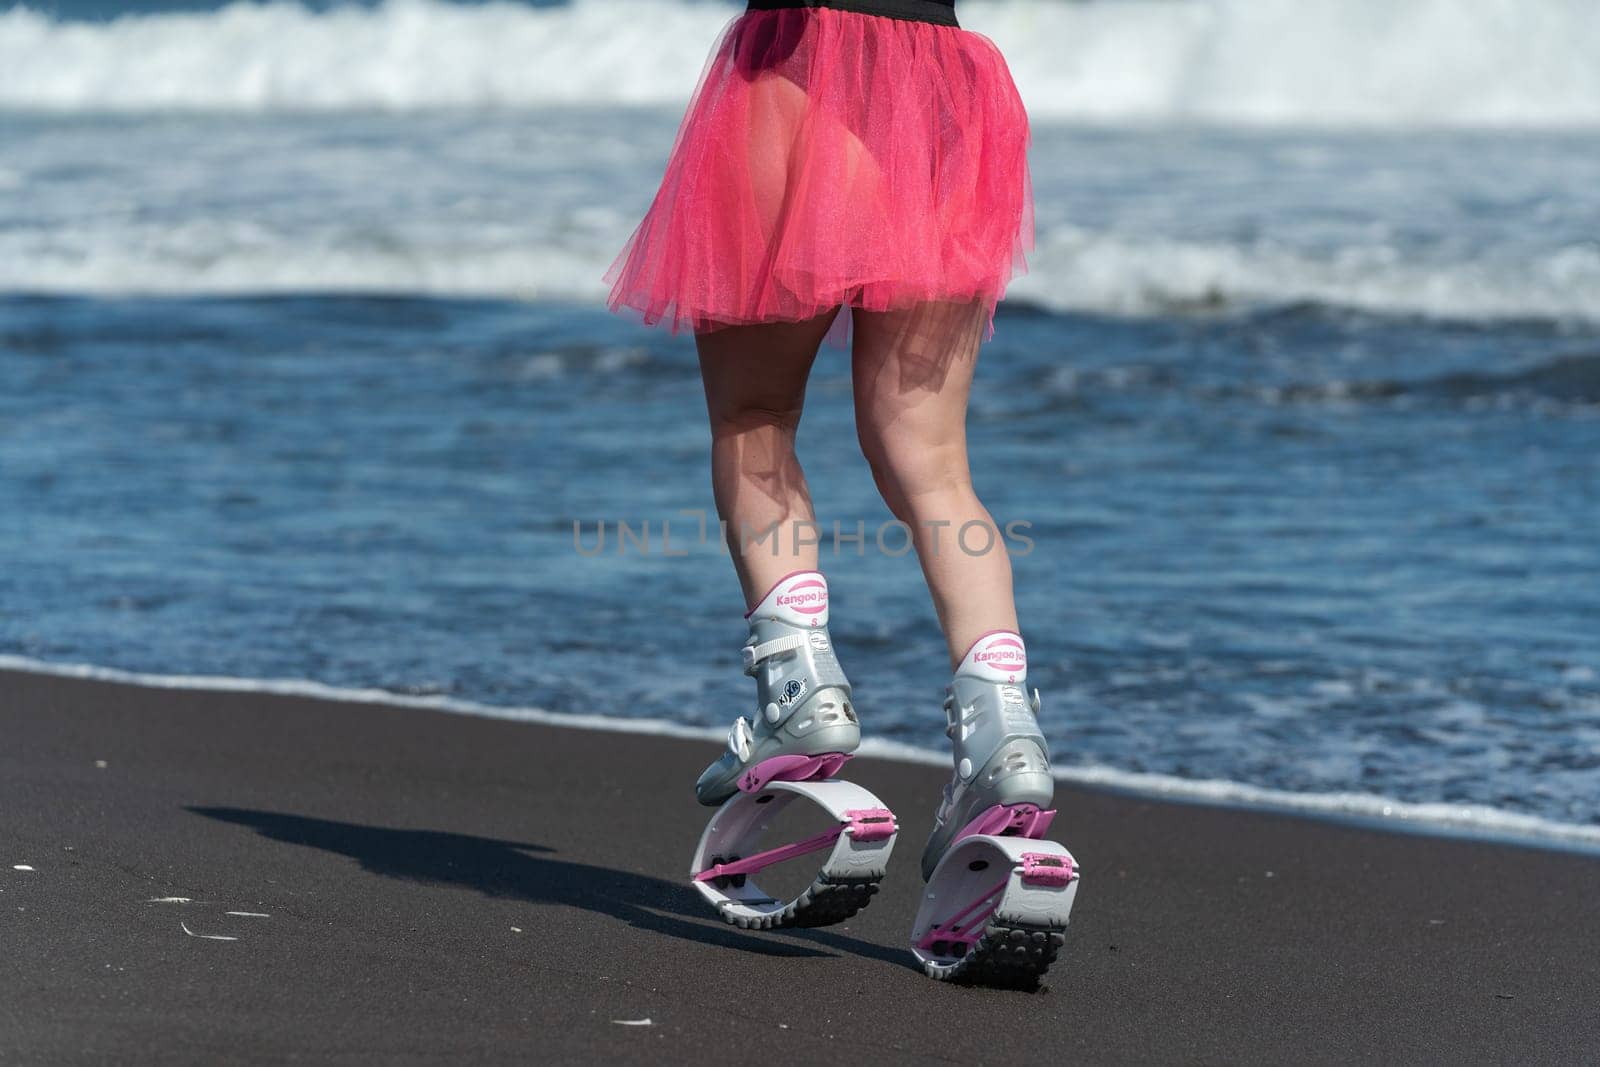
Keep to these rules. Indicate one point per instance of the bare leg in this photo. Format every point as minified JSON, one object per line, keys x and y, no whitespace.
{"x":755,"y":383}
{"x":913,"y":373}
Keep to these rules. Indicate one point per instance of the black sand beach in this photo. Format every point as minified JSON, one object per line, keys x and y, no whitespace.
{"x":425,"y":887}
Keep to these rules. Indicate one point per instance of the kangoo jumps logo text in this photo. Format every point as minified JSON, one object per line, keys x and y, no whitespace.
{"x":809,"y":597}
{"x":1003,"y":654}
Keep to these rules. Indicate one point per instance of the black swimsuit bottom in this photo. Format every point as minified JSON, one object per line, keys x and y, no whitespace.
{"x":940,"y":12}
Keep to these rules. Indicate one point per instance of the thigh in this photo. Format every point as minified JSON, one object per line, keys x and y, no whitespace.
{"x":912,"y":373}
{"x":760,"y":368}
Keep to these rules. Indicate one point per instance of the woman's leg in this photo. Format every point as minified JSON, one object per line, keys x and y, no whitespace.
{"x":755,"y":384}
{"x":913,"y":372}
{"x":755,"y":380}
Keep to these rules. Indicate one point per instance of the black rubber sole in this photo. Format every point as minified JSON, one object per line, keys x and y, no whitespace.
{"x":828,"y":900}
{"x":1008,"y":956}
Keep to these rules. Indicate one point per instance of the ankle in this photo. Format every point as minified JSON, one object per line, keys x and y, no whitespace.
{"x":799,"y":598}
{"x":995,"y":656}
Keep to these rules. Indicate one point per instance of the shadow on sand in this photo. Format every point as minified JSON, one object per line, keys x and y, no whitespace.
{"x":520,"y":871}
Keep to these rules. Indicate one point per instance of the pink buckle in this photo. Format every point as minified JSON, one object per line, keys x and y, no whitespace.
{"x":871,"y":824}
{"x":1046,"y":868}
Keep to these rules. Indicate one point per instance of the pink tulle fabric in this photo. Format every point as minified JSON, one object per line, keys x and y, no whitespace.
{"x":832,"y":158}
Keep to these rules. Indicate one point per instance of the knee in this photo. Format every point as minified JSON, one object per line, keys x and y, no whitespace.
{"x":744,"y":420}
{"x":907,"y":465}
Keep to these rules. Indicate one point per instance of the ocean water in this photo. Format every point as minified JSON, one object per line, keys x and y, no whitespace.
{"x":305,"y":374}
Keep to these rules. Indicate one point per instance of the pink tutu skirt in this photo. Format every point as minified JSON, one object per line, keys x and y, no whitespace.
{"x":832,"y":158}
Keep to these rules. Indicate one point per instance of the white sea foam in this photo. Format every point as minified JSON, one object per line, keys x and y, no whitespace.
{"x":1466,"y":819}
{"x":1345,"y":62}
{"x":1082,"y":270}
{"x":1074,"y":271}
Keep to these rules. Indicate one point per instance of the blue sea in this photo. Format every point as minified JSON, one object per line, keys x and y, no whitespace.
{"x":305,"y":374}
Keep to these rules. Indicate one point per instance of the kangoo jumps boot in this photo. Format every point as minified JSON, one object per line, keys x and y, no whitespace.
{"x":1002,"y":783}
{"x":803,"y":709}
{"x":999,"y":895}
